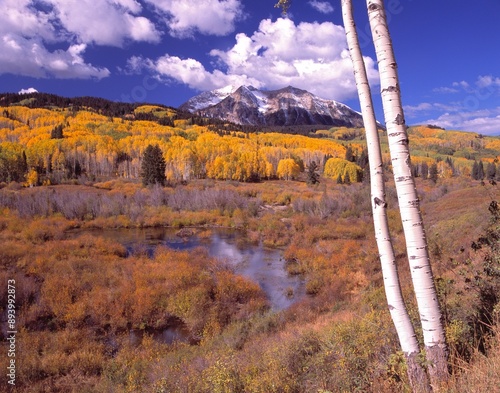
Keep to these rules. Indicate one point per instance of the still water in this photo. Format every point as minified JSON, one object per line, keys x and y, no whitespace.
{"x":262,"y":265}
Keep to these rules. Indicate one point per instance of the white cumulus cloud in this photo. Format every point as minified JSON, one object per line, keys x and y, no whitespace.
{"x":29,"y":57}
{"x":211,"y":17}
{"x":104,"y":22}
{"x":29,"y":28}
{"x":190,"y":72}
{"x":474,"y":108}
{"x":322,"y":6}
{"x":485,"y":121}
{"x":487,"y":81}
{"x":445,"y":90}
{"x":311,"y":56}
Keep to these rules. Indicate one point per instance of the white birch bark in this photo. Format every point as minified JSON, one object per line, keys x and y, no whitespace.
{"x":395,"y":301}
{"x":416,"y":242}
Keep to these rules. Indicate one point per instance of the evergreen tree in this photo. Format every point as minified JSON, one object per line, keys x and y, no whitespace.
{"x":312,"y":174}
{"x":414,"y":170}
{"x":57,"y":132}
{"x":362,"y":159}
{"x":480,"y":171}
{"x":21,"y":167}
{"x":347,"y":178}
{"x":424,"y":170}
{"x":153,"y":166}
{"x":475,"y":170}
{"x":491,"y":171}
{"x":339,"y":179}
{"x":433,"y":173}
{"x":349,"y":156}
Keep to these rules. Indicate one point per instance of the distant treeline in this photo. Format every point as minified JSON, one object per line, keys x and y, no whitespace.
{"x":45,"y":100}
{"x":126,"y":110}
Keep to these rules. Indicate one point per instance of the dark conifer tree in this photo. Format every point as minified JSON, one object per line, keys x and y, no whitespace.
{"x":57,"y":132}
{"x":349,"y":155}
{"x":153,"y":166}
{"x":424,"y":170}
{"x":433,"y":173}
{"x":414,"y":170}
{"x":475,"y":171}
{"x":312,"y":174}
{"x":491,"y":171}
{"x":480,"y":171}
{"x":347,"y":179}
{"x":362,"y":159}
{"x":449,"y":161}
{"x":21,"y":167}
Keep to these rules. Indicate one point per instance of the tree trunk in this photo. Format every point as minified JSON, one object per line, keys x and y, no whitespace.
{"x":407,"y":338}
{"x":416,"y":242}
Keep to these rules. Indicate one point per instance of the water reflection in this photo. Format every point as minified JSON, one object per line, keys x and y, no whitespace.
{"x":256,"y":262}
{"x":262,"y":265}
{"x":177,"y":332}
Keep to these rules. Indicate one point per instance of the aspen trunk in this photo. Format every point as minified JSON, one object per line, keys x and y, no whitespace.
{"x":416,"y":242}
{"x":399,"y":314}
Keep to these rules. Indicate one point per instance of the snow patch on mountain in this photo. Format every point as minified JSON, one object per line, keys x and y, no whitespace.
{"x":262,"y":101}
{"x":28,"y":91}
{"x":283,"y":107}
{"x":208,"y":98}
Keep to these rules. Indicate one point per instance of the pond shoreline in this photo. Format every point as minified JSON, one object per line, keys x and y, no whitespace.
{"x":263,"y":265}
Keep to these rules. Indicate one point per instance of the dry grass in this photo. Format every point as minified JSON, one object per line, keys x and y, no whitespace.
{"x":330,"y":341}
{"x":482,"y":374}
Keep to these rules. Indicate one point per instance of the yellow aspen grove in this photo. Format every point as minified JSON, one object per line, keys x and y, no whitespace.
{"x":397,"y":308}
{"x":31,"y":178}
{"x":336,"y":167}
{"x":416,"y":242}
{"x":288,"y":169}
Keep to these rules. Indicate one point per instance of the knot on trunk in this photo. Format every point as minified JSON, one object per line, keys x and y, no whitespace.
{"x":379,"y":202}
{"x":400,"y":120}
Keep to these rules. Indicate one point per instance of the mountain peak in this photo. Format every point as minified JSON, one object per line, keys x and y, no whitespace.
{"x":283,"y":107}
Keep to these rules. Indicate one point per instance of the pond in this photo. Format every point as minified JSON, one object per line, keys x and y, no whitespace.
{"x":262,"y":265}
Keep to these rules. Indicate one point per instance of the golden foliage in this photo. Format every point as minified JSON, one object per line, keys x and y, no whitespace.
{"x":104,"y":147}
{"x":336,"y":167}
{"x":288,"y":169}
{"x":31,"y":178}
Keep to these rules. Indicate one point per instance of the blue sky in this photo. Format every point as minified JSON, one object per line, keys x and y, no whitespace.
{"x":166,"y":51}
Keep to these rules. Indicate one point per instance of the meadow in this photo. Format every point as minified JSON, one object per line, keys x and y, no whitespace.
{"x":79,"y":299}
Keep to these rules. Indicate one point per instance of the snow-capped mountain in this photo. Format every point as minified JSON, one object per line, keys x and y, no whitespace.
{"x":208,"y":98}
{"x":284,"y":107}
{"x":28,"y":91}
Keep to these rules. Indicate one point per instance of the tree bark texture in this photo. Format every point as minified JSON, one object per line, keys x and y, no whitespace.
{"x":397,"y":308}
{"x":416,"y":242}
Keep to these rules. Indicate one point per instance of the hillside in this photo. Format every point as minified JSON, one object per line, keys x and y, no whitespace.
{"x":94,"y":143}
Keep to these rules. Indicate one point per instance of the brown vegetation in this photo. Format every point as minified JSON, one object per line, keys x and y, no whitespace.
{"x":89,"y":313}
{"x":79,"y":298}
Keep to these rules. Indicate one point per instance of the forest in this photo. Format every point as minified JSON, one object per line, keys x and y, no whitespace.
{"x":71,"y":170}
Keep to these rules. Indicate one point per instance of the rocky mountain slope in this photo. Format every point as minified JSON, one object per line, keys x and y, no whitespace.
{"x":284,"y":107}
